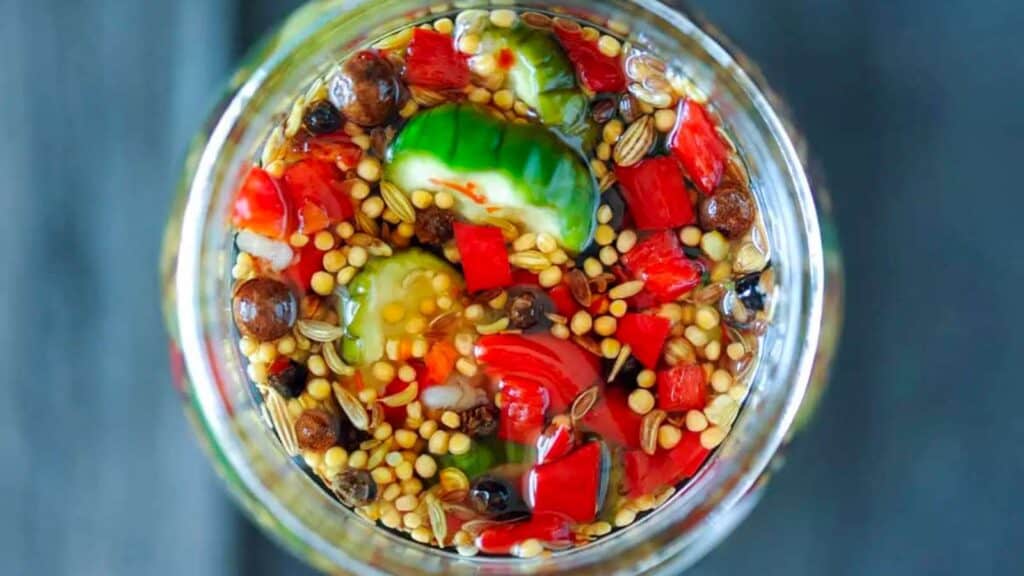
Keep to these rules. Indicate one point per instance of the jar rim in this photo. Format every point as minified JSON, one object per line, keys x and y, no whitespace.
{"x":196,"y":308}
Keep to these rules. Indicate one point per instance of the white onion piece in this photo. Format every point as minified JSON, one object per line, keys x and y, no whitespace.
{"x":456,"y":395}
{"x":274,"y":252}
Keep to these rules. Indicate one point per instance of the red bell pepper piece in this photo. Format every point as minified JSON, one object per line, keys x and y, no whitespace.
{"x":484,"y":256}
{"x":561,"y":367}
{"x":614,"y":420}
{"x":659,"y":261}
{"x":564,"y":370}
{"x":561,"y":297}
{"x":307,"y":262}
{"x":647,"y":474}
{"x":645,"y":334}
{"x":336,"y":148}
{"x":524,"y":404}
{"x":261,"y":207}
{"x":698,"y":146}
{"x":682,"y":388}
{"x":555,"y":442}
{"x":551,"y":529}
{"x":432,"y":61}
{"x":315,"y":189}
{"x":656,"y":193}
{"x":596,"y":71}
{"x":570,"y":485}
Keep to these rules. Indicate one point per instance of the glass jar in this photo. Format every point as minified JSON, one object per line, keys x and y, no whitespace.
{"x":288,"y":504}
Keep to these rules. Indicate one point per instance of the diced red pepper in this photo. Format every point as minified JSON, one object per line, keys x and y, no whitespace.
{"x":551,"y":529}
{"x":524,"y":404}
{"x":315,"y":188}
{"x":261,"y":207}
{"x":279,"y":365}
{"x":563,"y":300}
{"x":570,"y":485}
{"x":555,"y":442}
{"x":561,"y":367}
{"x":440,"y":360}
{"x":564,"y":370}
{"x":432,"y":61}
{"x":336,"y":148}
{"x":613,"y":419}
{"x":656,"y":193}
{"x":659,"y":261}
{"x":699,"y":147}
{"x":645,"y":334}
{"x":682,"y":388}
{"x":506,"y":58}
{"x":307,"y":262}
{"x":596,"y":71}
{"x":395,"y":415}
{"x":646,"y":474}
{"x":484,"y":256}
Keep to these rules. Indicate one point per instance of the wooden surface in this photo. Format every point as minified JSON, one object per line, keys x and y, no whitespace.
{"x":914,"y":465}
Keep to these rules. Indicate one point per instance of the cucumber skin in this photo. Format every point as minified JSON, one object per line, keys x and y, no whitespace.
{"x":543,"y":170}
{"x":544,"y":78}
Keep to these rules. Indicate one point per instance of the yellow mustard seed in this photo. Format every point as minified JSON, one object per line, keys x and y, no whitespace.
{"x":320,"y":388}
{"x":426,"y":466}
{"x":444,"y":200}
{"x":323,"y":240}
{"x":316,"y":365}
{"x":610,"y":348}
{"x":664,"y":120}
{"x":550,"y":277}
{"x":690,"y":236}
{"x":334,"y":260}
{"x":393,"y":312}
{"x":335,"y":457}
{"x":646,"y":378}
{"x":451,"y":419}
{"x":641,"y":401}
{"x":604,"y":235}
{"x":459,"y":443}
{"x":438,"y":443}
{"x":322,"y":283}
{"x":605,"y":325}
{"x":618,"y":308}
{"x":369,"y":168}
{"x":422,"y":199}
{"x":609,"y":46}
{"x":504,"y":99}
{"x":736,"y":350}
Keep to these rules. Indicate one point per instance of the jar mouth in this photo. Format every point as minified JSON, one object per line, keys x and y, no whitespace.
{"x":676,"y":534}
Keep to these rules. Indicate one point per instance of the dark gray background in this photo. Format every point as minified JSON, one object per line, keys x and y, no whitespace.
{"x":914,"y":465}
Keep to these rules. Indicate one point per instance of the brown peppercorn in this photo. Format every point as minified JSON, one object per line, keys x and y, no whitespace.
{"x":354,"y":487}
{"x":264,"y":309}
{"x":316,"y":430}
{"x":290,"y":381}
{"x":524,"y":311}
{"x":730,"y":211}
{"x":434,"y":226}
{"x":602,"y":110}
{"x":479,"y":421}
{"x":366,"y":91}
{"x":380,"y":139}
{"x":629,"y":108}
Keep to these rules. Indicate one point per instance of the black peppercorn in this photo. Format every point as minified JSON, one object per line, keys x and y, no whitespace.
{"x":354,"y":487}
{"x":490,"y":495}
{"x":289,"y":382}
{"x":322,"y":118}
